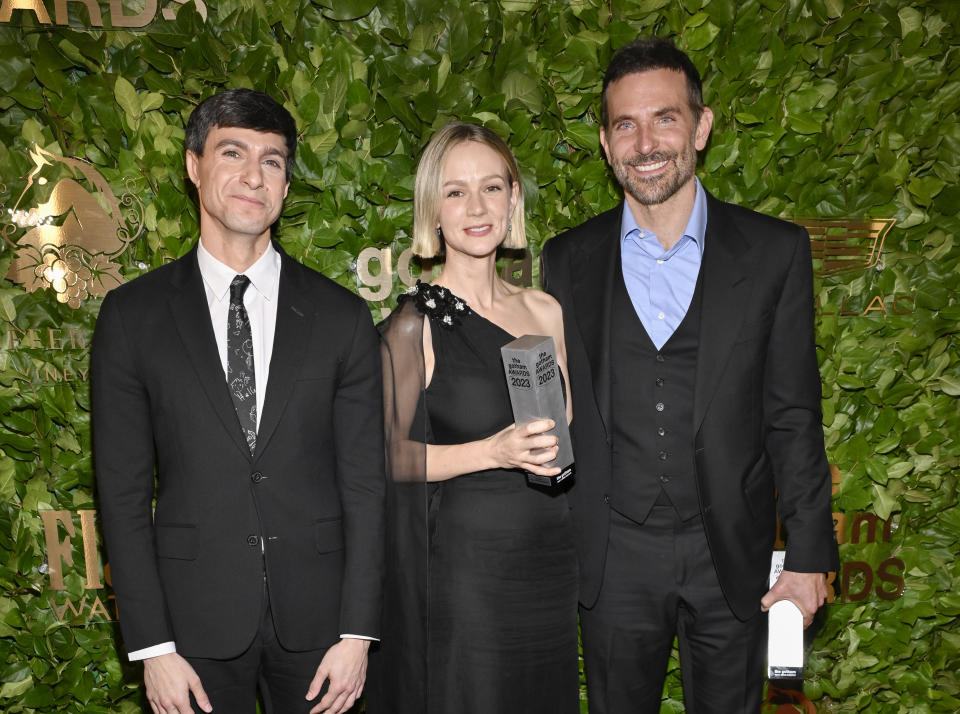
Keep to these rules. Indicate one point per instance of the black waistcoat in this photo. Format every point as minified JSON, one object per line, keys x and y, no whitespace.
{"x":652,"y":405}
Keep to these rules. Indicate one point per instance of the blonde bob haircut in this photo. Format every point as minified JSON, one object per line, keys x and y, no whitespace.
{"x":427,"y":189}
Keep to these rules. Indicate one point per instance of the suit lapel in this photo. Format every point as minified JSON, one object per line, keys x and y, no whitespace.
{"x":290,"y":340}
{"x":725,"y":290}
{"x":594,"y":271}
{"x":188,"y":303}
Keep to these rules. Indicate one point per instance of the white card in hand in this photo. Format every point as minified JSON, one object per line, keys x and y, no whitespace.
{"x":785,"y":632}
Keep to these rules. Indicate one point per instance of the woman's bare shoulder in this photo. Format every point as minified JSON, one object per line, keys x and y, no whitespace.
{"x":540,"y":303}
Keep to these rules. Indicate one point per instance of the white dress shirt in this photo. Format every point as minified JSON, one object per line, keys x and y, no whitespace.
{"x":260,"y":300}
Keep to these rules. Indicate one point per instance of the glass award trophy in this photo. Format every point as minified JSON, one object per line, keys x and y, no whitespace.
{"x":533,"y":377}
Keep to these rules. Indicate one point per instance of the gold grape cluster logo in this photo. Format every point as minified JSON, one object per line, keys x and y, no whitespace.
{"x":69,"y":241}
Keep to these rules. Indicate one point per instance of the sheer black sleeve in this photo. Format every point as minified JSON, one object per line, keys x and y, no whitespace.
{"x":399,"y":672}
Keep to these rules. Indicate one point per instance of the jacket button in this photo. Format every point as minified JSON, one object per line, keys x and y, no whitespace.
{"x":664,"y":479}
{"x":256,"y":477}
{"x":252,"y":540}
{"x":606,"y":498}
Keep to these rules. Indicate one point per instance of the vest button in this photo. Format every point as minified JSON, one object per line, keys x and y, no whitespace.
{"x":252,"y":540}
{"x":660,"y":357}
{"x":661,"y":431}
{"x":664,"y":479}
{"x":659,"y":406}
{"x":256,"y":477}
{"x":606,"y":498}
{"x":662,"y":456}
{"x":659,"y":381}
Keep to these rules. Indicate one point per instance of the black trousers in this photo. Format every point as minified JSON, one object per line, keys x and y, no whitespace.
{"x":282,"y":676}
{"x":660,"y":581}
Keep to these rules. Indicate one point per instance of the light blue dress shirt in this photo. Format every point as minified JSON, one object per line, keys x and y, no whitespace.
{"x":661,"y":283}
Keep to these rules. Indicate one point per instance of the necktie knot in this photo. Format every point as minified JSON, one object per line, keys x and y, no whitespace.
{"x":238,"y":286}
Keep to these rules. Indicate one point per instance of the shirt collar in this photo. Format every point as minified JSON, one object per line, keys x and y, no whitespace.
{"x":263,"y":274}
{"x":695,"y":230}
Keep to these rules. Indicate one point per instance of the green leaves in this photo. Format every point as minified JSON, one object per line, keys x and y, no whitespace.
{"x":347,"y":9}
{"x":822,"y":108}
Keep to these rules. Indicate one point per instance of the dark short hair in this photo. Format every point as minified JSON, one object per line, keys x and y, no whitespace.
{"x":648,"y":53}
{"x":243,"y":109}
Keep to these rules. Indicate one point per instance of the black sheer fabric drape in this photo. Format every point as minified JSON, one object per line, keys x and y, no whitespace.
{"x":398,"y":677}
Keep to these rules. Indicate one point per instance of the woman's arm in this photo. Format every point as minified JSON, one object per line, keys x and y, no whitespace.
{"x":525,"y":447}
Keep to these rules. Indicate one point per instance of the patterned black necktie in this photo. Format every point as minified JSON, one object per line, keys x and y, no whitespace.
{"x":240,"y":375}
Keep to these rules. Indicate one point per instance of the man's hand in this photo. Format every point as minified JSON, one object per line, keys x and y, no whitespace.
{"x":808,"y":591}
{"x":170,"y":679}
{"x":345,"y":665}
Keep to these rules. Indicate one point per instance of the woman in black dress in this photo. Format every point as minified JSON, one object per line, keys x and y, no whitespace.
{"x":482,"y":605}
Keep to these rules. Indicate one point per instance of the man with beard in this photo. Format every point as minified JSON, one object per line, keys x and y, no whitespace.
{"x":689,"y":327}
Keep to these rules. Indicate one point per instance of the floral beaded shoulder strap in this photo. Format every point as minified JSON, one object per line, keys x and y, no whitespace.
{"x":437,"y":303}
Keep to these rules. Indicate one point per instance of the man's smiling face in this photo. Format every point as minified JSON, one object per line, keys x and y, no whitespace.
{"x":653,"y":137}
{"x":241,"y":181}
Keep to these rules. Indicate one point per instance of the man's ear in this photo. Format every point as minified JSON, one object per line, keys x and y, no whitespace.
{"x":703,"y":128}
{"x":193,"y":169}
{"x":603,"y":143}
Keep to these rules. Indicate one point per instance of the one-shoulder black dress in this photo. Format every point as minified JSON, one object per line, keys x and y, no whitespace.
{"x":501,"y":631}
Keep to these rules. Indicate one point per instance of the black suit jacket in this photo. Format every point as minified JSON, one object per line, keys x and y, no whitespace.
{"x":311,"y":497}
{"x":757,"y":420}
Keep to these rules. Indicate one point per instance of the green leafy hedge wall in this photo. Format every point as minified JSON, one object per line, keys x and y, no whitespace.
{"x":824,"y":108}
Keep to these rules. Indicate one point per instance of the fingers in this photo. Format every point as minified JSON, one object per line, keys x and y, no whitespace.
{"x":537,"y":464}
{"x":171,"y":705}
{"x":807,"y":591}
{"x":338,"y":698}
{"x":528,"y":447}
{"x":344,"y":667}
{"x":536,"y":427}
{"x":203,"y":701}
{"x":542,"y":447}
{"x":331,"y":705}
{"x":316,"y":684}
{"x":169,"y":679}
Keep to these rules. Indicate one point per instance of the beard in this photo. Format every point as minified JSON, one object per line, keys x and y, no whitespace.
{"x":657,"y":189}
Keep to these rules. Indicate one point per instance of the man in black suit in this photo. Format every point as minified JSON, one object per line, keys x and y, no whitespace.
{"x":244,"y":390}
{"x":689,"y":330}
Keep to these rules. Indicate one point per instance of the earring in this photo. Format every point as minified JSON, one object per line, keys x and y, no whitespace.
{"x":509,"y":226}
{"x":439,"y":232}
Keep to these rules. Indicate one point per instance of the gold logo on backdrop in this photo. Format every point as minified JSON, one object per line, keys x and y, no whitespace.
{"x":88,"y":13}
{"x":60,"y":534}
{"x":74,"y":237}
{"x":850,"y":245}
{"x":842,"y":245}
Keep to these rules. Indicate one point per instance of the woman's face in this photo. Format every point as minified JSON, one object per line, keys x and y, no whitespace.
{"x":476,"y":199}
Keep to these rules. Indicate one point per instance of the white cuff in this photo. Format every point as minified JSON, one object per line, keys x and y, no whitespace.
{"x":359,"y":637}
{"x":155,"y":651}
